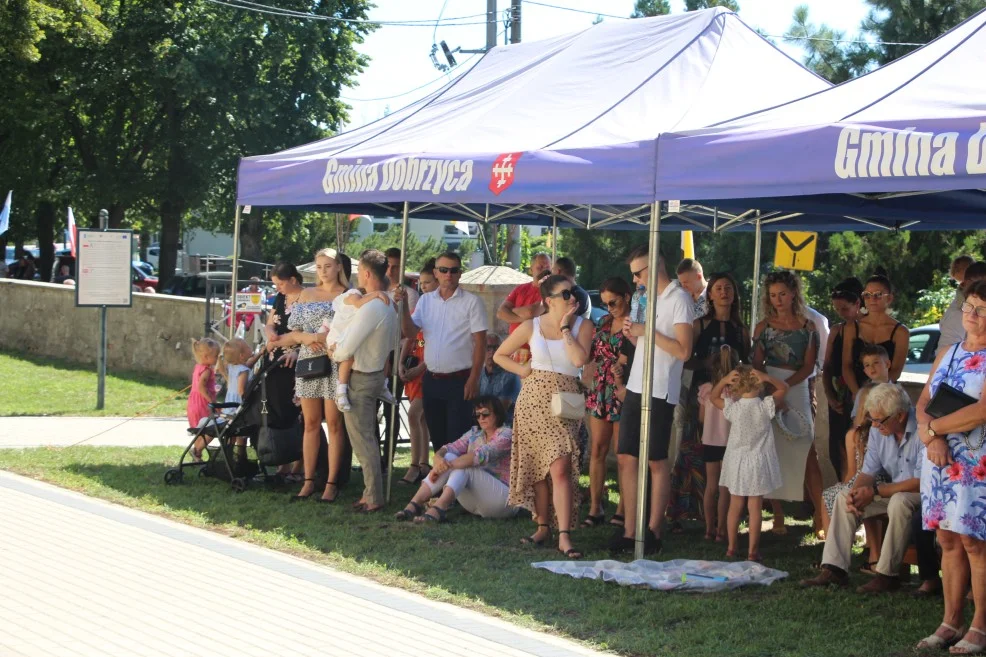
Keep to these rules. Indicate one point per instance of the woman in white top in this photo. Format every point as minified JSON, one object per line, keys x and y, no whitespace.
{"x":544,"y":464}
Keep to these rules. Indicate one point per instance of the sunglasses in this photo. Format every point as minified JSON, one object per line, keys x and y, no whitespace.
{"x":612,"y":304}
{"x":876,"y":296}
{"x":565,"y":294}
{"x":481,"y":414}
{"x":637,"y":274}
{"x":450,"y":270}
{"x":968,"y":308}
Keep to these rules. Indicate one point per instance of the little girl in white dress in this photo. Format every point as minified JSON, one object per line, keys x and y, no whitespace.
{"x":750,"y":467}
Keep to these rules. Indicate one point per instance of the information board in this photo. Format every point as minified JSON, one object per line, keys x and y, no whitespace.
{"x":104,"y":275}
{"x":249,"y":302}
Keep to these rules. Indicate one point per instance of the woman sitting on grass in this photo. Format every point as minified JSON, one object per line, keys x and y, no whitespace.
{"x":475,"y":470}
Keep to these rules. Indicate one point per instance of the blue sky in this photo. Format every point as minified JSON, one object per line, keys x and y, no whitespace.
{"x":400,"y":59}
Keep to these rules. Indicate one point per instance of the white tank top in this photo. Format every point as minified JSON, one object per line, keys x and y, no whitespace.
{"x":550,"y":355}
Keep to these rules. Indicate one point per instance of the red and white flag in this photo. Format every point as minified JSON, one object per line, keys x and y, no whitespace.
{"x":73,"y":234}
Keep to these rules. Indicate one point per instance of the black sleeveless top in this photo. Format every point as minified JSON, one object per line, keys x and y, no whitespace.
{"x":857,"y":353}
{"x":712,"y":336}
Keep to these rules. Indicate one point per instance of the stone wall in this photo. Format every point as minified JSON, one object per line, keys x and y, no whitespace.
{"x":155,"y":335}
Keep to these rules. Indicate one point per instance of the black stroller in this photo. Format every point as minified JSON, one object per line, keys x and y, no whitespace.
{"x":273,"y":430}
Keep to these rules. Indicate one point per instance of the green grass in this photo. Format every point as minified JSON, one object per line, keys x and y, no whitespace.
{"x":37,"y":385}
{"x":479,"y":564}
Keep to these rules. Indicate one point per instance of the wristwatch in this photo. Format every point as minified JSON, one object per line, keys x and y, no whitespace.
{"x":876,"y":494}
{"x":932,"y":432}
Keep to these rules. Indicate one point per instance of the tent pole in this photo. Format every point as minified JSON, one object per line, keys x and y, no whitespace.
{"x":236,"y":267}
{"x":554,"y":236}
{"x":756,"y":278}
{"x":395,"y":410}
{"x":646,"y":399}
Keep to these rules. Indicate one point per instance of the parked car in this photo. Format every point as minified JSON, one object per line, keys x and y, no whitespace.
{"x":194,"y":285}
{"x":598,"y":310}
{"x":921,"y":349}
{"x":154,"y":257}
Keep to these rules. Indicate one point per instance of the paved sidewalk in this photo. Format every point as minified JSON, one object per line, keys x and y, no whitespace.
{"x":96,"y":431}
{"x":84,"y":577}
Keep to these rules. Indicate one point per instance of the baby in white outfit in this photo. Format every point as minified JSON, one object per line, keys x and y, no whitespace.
{"x":344,"y":308}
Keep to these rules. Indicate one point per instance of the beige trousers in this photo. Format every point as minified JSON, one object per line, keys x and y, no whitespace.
{"x":899,"y":508}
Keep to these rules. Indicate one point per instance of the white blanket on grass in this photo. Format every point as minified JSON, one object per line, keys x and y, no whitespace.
{"x":676,"y":575}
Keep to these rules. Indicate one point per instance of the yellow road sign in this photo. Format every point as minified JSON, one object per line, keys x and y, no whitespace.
{"x":796,"y":250}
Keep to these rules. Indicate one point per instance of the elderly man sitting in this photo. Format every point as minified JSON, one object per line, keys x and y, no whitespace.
{"x":893,"y":449}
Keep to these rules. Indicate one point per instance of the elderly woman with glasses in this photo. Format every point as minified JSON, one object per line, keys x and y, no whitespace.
{"x":474,"y":470}
{"x":953,"y":476}
{"x":604,"y":377}
{"x":876,"y":327}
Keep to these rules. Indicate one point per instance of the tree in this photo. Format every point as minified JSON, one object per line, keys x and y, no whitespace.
{"x":692,"y":5}
{"x":416,"y":254}
{"x":25,"y":23}
{"x":913,"y":21}
{"x":647,"y":8}
{"x":824,"y":53}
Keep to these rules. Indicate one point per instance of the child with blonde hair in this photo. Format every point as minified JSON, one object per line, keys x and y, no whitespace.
{"x":750,"y":467}
{"x":203,"y":391}
{"x":715,"y":433}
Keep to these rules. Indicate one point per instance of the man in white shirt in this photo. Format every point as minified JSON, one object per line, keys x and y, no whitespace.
{"x":454,"y":325}
{"x":963,"y":269}
{"x":674,"y":309}
{"x":369,"y":341}
{"x":692,"y":278}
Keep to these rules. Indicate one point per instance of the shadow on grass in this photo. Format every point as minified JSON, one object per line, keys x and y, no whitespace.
{"x":472,"y":561}
{"x":146,"y":378}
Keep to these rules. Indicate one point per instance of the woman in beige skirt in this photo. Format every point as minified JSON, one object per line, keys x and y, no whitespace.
{"x":544,"y":464}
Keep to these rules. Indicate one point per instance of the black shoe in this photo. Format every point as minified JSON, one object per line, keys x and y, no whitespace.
{"x":299,"y":498}
{"x":620,"y":544}
{"x":652,"y":544}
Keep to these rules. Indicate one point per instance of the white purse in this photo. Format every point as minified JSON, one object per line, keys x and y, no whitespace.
{"x":566,"y":405}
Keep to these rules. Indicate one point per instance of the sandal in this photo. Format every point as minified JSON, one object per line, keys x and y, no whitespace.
{"x":721,"y":538}
{"x":404,"y":514}
{"x":594,"y":520}
{"x":730,"y":554}
{"x":869,"y":568}
{"x":571,"y":553}
{"x":935,"y":642}
{"x":530,"y":540}
{"x":617,"y":520}
{"x":964,"y":647}
{"x":298,"y":498}
{"x":710,"y":536}
{"x":427,"y":517}
{"x":327,"y":500}
{"x":755,"y":557}
{"x":404,"y":481}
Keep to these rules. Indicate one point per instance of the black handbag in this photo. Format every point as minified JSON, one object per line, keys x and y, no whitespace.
{"x":277,"y":446}
{"x":312,"y":368}
{"x":948,"y":399}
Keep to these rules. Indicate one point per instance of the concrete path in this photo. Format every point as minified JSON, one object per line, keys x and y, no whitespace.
{"x":84,"y":577}
{"x":96,"y":431}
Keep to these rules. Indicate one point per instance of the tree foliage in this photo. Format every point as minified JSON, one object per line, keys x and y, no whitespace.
{"x":693,"y":5}
{"x":25,"y":23}
{"x":648,"y":8}
{"x":417,"y":253}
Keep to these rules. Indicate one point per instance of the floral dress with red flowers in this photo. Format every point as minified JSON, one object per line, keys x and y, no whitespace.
{"x":954,"y":497}
{"x":605,"y":351}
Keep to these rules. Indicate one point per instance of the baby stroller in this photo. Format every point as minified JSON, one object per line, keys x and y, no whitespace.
{"x":274,"y":432}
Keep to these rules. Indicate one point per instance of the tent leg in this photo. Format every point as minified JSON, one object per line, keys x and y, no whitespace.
{"x":646,"y":399}
{"x":554,"y":236}
{"x":236,"y":269}
{"x":756,"y":278}
{"x":395,"y":410}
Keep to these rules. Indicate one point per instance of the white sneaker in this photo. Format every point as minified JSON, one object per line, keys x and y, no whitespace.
{"x":342,"y":403}
{"x":386,"y":396}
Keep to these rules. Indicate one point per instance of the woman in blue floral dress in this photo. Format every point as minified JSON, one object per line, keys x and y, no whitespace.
{"x":604,"y":399}
{"x":953,"y":480}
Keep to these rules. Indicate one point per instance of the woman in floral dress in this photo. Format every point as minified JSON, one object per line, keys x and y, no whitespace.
{"x":604,"y":400}
{"x":953,"y":480}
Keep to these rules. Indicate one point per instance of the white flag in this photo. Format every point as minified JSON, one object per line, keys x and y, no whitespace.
{"x":5,"y":214}
{"x":72,"y":233}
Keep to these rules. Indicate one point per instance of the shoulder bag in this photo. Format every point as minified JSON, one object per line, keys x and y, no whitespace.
{"x":312,"y":368}
{"x":948,"y":399}
{"x":566,"y":405}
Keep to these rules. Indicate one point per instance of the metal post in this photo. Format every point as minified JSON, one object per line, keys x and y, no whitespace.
{"x":104,"y":223}
{"x":514,"y":21}
{"x":554,"y":236}
{"x":756,"y":277}
{"x":646,"y":393}
{"x":395,"y":409}
{"x":236,"y":268}
{"x":490,"y":24}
